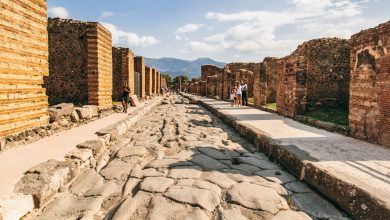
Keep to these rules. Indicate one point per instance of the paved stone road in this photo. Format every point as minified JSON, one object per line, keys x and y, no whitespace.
{"x":180,"y":162}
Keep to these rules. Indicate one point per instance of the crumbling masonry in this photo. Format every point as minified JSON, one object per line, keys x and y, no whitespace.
{"x":23,"y":63}
{"x":317,"y":71}
{"x":369,"y":104}
{"x":80,"y":62}
{"x":139,"y":68}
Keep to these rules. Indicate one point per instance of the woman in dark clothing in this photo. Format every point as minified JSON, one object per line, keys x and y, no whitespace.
{"x":125,"y":97}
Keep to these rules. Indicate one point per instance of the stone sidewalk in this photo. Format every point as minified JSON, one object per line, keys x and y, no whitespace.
{"x":15,"y":162}
{"x":352,"y":173}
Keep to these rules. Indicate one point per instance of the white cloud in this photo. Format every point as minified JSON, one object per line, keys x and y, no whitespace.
{"x":107,"y":14}
{"x":128,"y":38}
{"x":203,"y":47}
{"x":255,"y":32}
{"x":187,"y":29}
{"x":59,"y":11}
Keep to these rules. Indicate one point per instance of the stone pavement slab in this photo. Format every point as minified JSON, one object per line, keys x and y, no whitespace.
{"x":353,"y":173}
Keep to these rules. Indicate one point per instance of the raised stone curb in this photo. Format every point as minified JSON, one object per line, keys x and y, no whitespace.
{"x":43,"y":182}
{"x":354,"y":200}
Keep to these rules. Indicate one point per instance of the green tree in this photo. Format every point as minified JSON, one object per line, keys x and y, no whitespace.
{"x":184,"y":79}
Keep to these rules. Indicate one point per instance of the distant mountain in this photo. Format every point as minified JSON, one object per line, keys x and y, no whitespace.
{"x":176,"y":67}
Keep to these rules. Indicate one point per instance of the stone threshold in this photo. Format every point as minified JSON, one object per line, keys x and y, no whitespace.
{"x":359,"y":200}
{"x":45,"y":181}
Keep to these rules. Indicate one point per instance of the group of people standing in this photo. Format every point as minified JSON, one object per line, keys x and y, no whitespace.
{"x":239,"y":95}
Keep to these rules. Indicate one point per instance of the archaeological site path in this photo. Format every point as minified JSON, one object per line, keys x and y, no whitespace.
{"x":351,"y":172}
{"x":182,"y":162}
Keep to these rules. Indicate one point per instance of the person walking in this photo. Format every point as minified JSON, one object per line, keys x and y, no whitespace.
{"x":125,"y":96}
{"x":233,"y":96}
{"x":244,"y":93}
{"x":239,"y":94}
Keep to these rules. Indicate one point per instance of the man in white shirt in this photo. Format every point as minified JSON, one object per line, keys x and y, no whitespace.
{"x":244,"y":89}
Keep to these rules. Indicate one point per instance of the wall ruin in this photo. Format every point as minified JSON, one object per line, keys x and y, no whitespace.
{"x":139,"y":67}
{"x":317,"y":70}
{"x":80,"y":63}
{"x":148,"y":81}
{"x":24,"y":62}
{"x":369,"y":104}
{"x":123,"y":71}
{"x":154,"y":82}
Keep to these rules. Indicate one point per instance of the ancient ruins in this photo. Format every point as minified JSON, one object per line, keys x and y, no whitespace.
{"x":190,"y":154}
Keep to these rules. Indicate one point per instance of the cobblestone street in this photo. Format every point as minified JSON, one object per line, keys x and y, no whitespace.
{"x":181,"y":162}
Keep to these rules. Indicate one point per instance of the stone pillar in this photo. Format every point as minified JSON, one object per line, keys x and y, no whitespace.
{"x":154,"y":82}
{"x":123,"y":71}
{"x":158,"y":77}
{"x":139,"y":67}
{"x":148,"y":81}
{"x":80,"y":58}
{"x":24,"y":62}
{"x":369,"y":104}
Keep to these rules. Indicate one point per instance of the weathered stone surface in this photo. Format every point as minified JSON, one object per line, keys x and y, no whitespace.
{"x":263,"y":164}
{"x":116,"y":169}
{"x":130,"y":185}
{"x":71,"y":207}
{"x":218,"y":178}
{"x":16,"y":206}
{"x":156,"y":184}
{"x":45,"y":180}
{"x":208,"y":162}
{"x":256,"y":197}
{"x":130,"y":205}
{"x":218,"y":154}
{"x":168,"y":163}
{"x":57,"y":111}
{"x":74,"y":116}
{"x":190,"y":172}
{"x":315,"y":206}
{"x":204,"y":198}
{"x":233,"y":213}
{"x":83,"y":154}
{"x":151,"y":172}
{"x":88,"y":180}
{"x":298,"y":187}
{"x":270,"y":184}
{"x":102,"y":160}
{"x":201,"y":184}
{"x":278,"y":176}
{"x":107,"y":189}
{"x":132,"y":151}
{"x":97,"y":146}
{"x":291,"y":215}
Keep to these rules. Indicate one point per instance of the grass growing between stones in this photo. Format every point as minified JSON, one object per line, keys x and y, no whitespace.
{"x":335,"y":115}
{"x":270,"y":106}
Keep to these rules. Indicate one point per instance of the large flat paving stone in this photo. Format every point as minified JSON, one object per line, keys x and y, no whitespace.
{"x":256,"y":197}
{"x":190,"y":172}
{"x":315,"y":206}
{"x":71,"y":207}
{"x":116,"y":169}
{"x":291,"y":215}
{"x":218,"y":178}
{"x":208,"y":162}
{"x":201,"y":184}
{"x":156,"y":184}
{"x":202,"y":197}
{"x":88,"y":180}
{"x":132,"y":151}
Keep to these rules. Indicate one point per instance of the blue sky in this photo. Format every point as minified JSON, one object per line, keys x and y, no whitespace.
{"x":224,"y":30}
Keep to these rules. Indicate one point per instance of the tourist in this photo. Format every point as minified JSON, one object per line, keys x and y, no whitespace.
{"x":233,"y":96}
{"x":125,"y":96}
{"x":244,"y":93}
{"x":239,"y":94}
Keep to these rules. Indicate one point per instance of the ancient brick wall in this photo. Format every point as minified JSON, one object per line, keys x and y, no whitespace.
{"x":212,"y":85}
{"x":148,"y":81}
{"x":23,"y":63}
{"x":80,"y":63}
{"x":237,"y":72}
{"x":271,"y":78}
{"x":259,"y":85}
{"x":318,"y":69}
{"x":369,"y":105}
{"x":122,"y":71}
{"x":158,"y":83}
{"x":139,"y":67}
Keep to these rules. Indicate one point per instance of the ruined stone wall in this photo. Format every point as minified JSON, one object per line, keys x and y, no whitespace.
{"x":271,"y":78}
{"x":317,"y":70}
{"x":369,"y":105}
{"x":23,"y":63}
{"x":212,"y":86}
{"x":123,"y":71}
{"x":259,"y":85}
{"x":148,"y":81}
{"x":206,"y":71}
{"x":139,"y":67}
{"x":80,"y":63}
{"x":154,"y":82}
{"x":237,"y":72}
{"x":158,"y":81}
